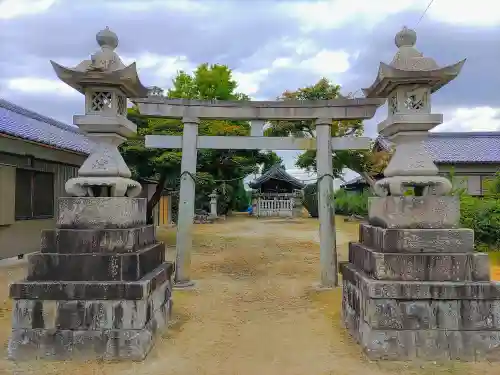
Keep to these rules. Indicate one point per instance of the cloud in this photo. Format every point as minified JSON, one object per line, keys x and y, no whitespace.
{"x":272,"y":46}
{"x":146,"y":6}
{"x":17,"y":8}
{"x":367,"y":14}
{"x":40,"y":86}
{"x":327,"y":63}
{"x":472,"y":119}
{"x":328,"y":15}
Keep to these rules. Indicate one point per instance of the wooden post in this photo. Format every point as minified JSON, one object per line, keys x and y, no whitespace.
{"x":184,"y":241}
{"x":328,"y":250}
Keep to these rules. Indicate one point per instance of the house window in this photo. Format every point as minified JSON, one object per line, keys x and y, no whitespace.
{"x":34,"y":194}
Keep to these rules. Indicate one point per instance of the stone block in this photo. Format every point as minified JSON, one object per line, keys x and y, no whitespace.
{"x":384,"y":240}
{"x":95,"y":267}
{"x":79,"y":344}
{"x":101,"y":213}
{"x":99,"y":314}
{"x":92,"y":290}
{"x":414,"y":290}
{"x":445,"y":331}
{"x":79,"y":241}
{"x":70,"y":315}
{"x":479,"y":315}
{"x":83,"y":315}
{"x":95,"y":330}
{"x":429,"y":345}
{"x":421,"y":266}
{"x":411,"y":212}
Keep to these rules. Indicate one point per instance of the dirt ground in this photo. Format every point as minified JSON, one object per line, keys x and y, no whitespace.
{"x":253,"y":312}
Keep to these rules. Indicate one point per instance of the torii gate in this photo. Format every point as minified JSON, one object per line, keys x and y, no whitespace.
{"x":323,"y":112}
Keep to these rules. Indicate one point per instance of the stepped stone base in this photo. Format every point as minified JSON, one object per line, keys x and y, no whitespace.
{"x":424,"y":325}
{"x":88,"y":329}
{"x":93,"y":292}
{"x":420,"y":293}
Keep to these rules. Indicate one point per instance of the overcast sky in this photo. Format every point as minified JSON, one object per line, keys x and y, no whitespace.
{"x":271,"y":46}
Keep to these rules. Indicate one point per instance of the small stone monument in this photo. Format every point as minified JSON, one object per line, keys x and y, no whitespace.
{"x":413,"y":286}
{"x":213,"y":205}
{"x":100,"y":287}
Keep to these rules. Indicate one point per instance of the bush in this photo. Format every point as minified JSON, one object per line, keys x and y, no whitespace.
{"x":351,"y":203}
{"x":483,"y":216}
{"x":310,"y":199}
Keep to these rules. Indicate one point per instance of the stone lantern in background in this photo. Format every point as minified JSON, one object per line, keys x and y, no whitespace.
{"x":99,"y":288}
{"x":413,"y":286}
{"x":106,"y":83}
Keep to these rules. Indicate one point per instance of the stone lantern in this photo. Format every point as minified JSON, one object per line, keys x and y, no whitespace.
{"x":408,"y":82}
{"x":413,"y":286}
{"x":106,"y":83}
{"x":213,"y":204}
{"x":99,"y":288}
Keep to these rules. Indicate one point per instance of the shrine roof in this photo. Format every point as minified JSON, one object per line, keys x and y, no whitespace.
{"x":22,"y":123}
{"x":276,"y":172}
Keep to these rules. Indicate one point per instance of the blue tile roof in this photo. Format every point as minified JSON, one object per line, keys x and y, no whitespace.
{"x":23,"y":123}
{"x":466,"y":147}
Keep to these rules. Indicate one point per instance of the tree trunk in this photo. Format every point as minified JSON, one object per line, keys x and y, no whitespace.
{"x":153,"y":201}
{"x":369,"y":179}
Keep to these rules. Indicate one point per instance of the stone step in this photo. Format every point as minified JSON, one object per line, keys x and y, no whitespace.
{"x":95,"y":267}
{"x":79,"y":241}
{"x":453,"y":315}
{"x":417,"y":240}
{"x":89,"y":314}
{"x":92,"y":290}
{"x":417,"y":290}
{"x":420,"y":267}
{"x":426,"y":345}
{"x":88,"y":344}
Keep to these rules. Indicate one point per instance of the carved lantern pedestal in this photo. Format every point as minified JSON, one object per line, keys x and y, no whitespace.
{"x":100,"y":287}
{"x":413,"y":286}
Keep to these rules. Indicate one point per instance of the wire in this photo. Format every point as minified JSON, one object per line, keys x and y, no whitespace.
{"x":425,"y":11}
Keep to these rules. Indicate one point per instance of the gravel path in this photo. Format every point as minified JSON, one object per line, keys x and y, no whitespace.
{"x":253,"y":312}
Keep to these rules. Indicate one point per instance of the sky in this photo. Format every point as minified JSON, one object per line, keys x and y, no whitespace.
{"x":271,"y":46}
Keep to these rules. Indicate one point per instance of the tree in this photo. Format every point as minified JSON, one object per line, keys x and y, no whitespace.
{"x":365,"y":163}
{"x":208,"y":82}
{"x":272,"y":159}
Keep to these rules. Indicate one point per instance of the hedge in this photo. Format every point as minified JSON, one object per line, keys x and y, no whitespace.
{"x":310,"y":199}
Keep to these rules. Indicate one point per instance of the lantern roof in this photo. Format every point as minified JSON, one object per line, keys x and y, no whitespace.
{"x":409,"y":66}
{"x":105,"y":68}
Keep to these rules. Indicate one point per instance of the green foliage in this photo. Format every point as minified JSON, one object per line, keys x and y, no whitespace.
{"x":455,"y":190}
{"x":492,"y":186}
{"x":358,"y":161}
{"x":351,"y":203}
{"x":483,"y":216}
{"x":242,"y":198}
{"x":270,"y":162}
{"x":208,"y":82}
{"x":310,"y":199}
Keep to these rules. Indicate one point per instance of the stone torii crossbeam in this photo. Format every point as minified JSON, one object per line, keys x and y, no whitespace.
{"x":323,"y":112}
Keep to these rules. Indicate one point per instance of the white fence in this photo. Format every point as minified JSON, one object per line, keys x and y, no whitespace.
{"x":275,"y":207}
